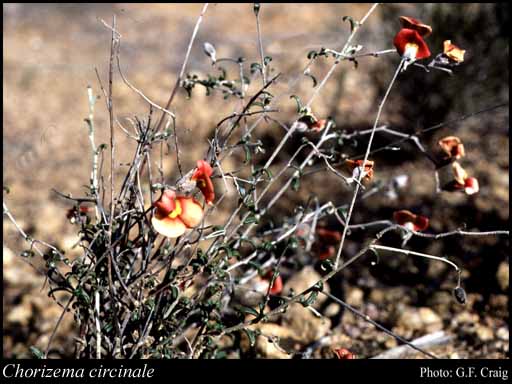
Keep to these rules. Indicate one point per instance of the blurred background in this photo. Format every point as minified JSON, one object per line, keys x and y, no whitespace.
{"x":50,"y":55}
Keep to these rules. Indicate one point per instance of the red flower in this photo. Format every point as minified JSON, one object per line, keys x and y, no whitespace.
{"x":203,"y":181}
{"x":326,"y":244}
{"x":459,"y":180}
{"x":410,"y":23}
{"x":471,"y":185}
{"x":344,"y":354}
{"x":277,"y":287}
{"x":452,"y":146}
{"x":355,"y":167}
{"x":410,"y":220}
{"x":175,"y":214}
{"x":410,"y":44}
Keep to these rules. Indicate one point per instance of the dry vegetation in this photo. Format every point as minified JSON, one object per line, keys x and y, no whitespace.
{"x":50,"y":52}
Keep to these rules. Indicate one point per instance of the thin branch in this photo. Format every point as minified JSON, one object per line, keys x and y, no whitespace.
{"x":361,"y":174}
{"x":377,"y":325}
{"x":183,"y":66}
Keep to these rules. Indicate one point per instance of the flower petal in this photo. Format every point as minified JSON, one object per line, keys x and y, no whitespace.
{"x":459,"y":174}
{"x":471,"y":185}
{"x":191,"y":211}
{"x":357,"y":164}
{"x":420,"y":223}
{"x":411,"y":23}
{"x":203,"y":181}
{"x":406,"y":38}
{"x":453,"y":52}
{"x":452,"y":146}
{"x":168,"y":227}
{"x":166,"y":204}
{"x":203,"y":170}
{"x":404,"y":216}
{"x":328,"y":236}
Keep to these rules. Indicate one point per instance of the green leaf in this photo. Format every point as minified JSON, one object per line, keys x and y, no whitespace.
{"x":251,"y":335}
{"x":312,"y":54}
{"x":293,"y":243}
{"x":251,"y":220}
{"x":343,"y":212}
{"x":310,"y":299}
{"x":248,"y":310}
{"x":267,"y":60}
{"x":38,"y":354}
{"x":315,"y":82}
{"x":327,"y":265}
{"x":296,"y":183}
{"x":297,"y":100}
{"x":82,"y":295}
{"x":353,"y":23}
{"x":255,"y":67}
{"x":248,"y":155}
{"x":107,"y":328}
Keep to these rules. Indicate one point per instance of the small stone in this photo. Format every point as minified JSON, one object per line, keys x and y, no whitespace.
{"x":466,"y":317}
{"x":502,"y":333}
{"x":423,"y":319}
{"x":430,"y":319}
{"x":21,"y":313}
{"x":484,"y":333}
{"x":355,"y":297}
{"x":377,"y":296}
{"x":8,"y":257}
{"x":502,"y":275}
{"x":332,"y":310}
{"x":265,"y":347}
{"x":390,"y":343}
{"x":305,"y":324}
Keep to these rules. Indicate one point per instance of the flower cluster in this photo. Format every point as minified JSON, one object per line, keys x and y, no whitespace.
{"x":452,"y":176}
{"x":410,"y":44}
{"x":356,"y":167}
{"x":175,"y":214}
{"x":308,"y":122}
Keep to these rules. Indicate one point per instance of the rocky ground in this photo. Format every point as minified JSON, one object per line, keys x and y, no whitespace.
{"x":50,"y":52}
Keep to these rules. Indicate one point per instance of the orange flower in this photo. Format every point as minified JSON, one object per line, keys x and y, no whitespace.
{"x":411,"y":221}
{"x":453,"y":52}
{"x":452,"y":146}
{"x":355,"y":166}
{"x":318,"y":125}
{"x":175,"y":214}
{"x":344,"y":354}
{"x":309,"y":122}
{"x":410,"y":44}
{"x":410,"y":23}
{"x":203,"y":181}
